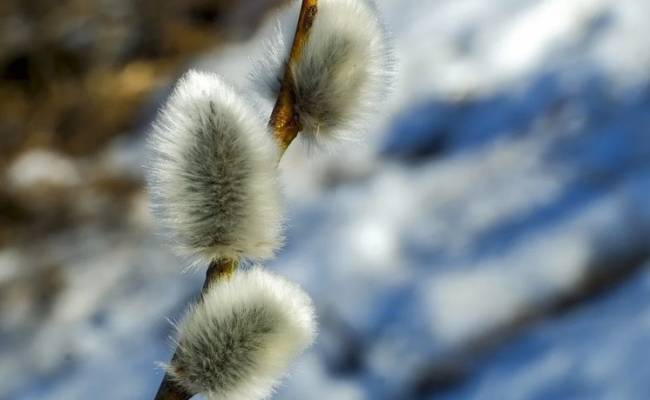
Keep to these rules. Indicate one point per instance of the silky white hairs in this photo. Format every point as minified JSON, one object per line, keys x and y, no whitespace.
{"x":212,"y":174}
{"x":342,"y":73}
{"x":237,"y":342}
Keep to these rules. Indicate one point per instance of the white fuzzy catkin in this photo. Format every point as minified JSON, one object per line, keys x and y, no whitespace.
{"x":237,"y":342}
{"x":343,"y":72}
{"x":212,"y":174}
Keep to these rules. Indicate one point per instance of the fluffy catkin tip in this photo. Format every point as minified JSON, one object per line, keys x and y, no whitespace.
{"x":212,"y":173}
{"x":344,"y":70}
{"x":238,"y":341}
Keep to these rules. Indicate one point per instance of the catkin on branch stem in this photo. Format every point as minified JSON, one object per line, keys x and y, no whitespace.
{"x":285,"y":126}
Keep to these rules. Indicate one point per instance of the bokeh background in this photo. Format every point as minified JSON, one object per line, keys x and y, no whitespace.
{"x":490,"y":240}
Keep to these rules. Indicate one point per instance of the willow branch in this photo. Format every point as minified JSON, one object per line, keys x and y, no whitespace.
{"x":285,"y":125}
{"x":284,"y":118}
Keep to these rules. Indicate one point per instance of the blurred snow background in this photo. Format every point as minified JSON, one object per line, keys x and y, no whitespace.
{"x":491,"y":240}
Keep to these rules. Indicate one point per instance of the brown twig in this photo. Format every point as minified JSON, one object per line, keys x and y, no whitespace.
{"x":218,"y":270}
{"x":284,"y":118}
{"x":285,"y":125}
{"x":169,"y":390}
